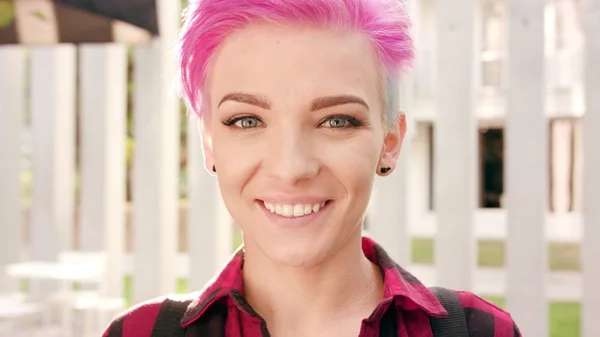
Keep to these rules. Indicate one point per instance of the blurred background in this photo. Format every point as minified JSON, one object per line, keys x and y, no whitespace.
{"x":104,"y":200}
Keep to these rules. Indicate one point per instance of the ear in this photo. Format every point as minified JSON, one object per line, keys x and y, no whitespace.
{"x":392,"y":144}
{"x":207,"y":149}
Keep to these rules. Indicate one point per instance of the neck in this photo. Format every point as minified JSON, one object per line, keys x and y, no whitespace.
{"x":347,"y":284}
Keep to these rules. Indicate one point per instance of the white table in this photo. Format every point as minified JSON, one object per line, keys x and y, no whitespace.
{"x":42,"y":270}
{"x":64,"y":273}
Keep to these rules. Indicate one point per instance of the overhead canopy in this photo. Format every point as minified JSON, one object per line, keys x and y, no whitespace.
{"x":43,"y":22}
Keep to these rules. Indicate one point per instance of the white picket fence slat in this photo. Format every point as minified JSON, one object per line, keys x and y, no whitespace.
{"x":103,"y":103}
{"x":526,"y":162}
{"x":591,"y":212}
{"x":12,"y":119}
{"x":454,"y":142}
{"x":209,"y":226}
{"x":52,"y":101}
{"x":156,"y":159}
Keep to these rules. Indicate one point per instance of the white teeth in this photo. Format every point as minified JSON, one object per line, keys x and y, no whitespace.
{"x":307,"y":209}
{"x":296,"y":210}
{"x":288,"y":210}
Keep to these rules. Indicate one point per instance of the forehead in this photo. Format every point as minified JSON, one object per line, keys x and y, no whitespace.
{"x":295,"y":64}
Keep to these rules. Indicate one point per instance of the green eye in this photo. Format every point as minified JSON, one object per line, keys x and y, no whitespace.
{"x":336,"y":122}
{"x":341,"y":122}
{"x":247,"y":122}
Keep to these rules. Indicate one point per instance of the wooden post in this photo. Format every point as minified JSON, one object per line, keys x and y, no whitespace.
{"x":12,"y":113}
{"x":103,"y":74}
{"x":53,"y":165}
{"x":527,"y":162}
{"x":156,"y":160}
{"x":455,"y":149}
{"x":560,"y":135}
{"x":591,"y":134}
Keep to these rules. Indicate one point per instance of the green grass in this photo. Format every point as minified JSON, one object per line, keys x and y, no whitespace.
{"x":564,"y":317}
{"x":561,"y":256}
{"x":181,"y":287}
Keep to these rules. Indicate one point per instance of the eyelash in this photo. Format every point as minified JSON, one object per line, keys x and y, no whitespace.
{"x":353,"y":122}
{"x":231,"y":121}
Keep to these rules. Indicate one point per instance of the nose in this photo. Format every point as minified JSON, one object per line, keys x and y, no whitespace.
{"x":291,"y":157}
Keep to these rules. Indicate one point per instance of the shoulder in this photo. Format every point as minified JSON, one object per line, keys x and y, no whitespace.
{"x":141,"y":316}
{"x":484,"y":317}
{"x":139,"y":320}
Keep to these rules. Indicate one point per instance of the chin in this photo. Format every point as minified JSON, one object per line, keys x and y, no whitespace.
{"x":296,"y":259}
{"x":297,"y":254}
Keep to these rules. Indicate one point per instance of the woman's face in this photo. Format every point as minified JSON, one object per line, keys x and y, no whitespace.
{"x":296,"y":135}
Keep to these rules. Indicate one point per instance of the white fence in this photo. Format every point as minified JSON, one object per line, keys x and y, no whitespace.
{"x":46,"y":92}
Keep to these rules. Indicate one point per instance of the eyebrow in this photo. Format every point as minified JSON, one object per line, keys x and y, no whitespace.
{"x":252,"y":99}
{"x":316,"y":104}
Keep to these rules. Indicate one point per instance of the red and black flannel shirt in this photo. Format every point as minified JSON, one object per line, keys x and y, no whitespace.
{"x":412,"y":304}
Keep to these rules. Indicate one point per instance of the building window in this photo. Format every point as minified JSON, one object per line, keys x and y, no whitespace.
{"x":491,"y":167}
{"x":565,"y":166}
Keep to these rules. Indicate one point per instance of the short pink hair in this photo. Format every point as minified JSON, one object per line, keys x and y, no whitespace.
{"x":207,"y":23}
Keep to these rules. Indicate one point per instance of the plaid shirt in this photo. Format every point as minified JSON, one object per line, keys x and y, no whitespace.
{"x":412,"y":304}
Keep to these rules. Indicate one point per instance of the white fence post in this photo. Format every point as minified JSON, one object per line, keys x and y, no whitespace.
{"x":12,"y":113}
{"x":455,"y":147}
{"x":420,"y":177}
{"x":103,"y":102}
{"x":156,"y":160}
{"x":388,"y":210}
{"x":206,"y":247}
{"x":526,"y":139}
{"x":389,"y":213}
{"x":53,"y":164}
{"x":591,"y":125}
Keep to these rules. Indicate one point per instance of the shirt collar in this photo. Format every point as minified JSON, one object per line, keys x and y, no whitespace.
{"x":400,"y":286}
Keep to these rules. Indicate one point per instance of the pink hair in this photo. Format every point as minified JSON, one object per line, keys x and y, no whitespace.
{"x":208,"y":22}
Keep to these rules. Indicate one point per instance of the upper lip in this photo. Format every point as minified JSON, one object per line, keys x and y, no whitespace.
{"x":293,"y":200}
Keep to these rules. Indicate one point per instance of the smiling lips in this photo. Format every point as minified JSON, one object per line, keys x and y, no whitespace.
{"x":293,"y":210}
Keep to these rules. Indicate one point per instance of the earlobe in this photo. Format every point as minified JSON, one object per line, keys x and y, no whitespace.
{"x":392,"y":144}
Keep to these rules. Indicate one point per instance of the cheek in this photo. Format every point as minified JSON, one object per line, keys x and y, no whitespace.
{"x":236,"y":160}
{"x":235,"y":167}
{"x":353,"y":165}
{"x":359,"y":153}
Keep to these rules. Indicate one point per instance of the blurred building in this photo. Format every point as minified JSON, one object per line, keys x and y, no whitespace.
{"x":564,"y":101}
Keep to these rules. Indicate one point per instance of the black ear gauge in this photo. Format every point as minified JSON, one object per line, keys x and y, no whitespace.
{"x":214,"y":169}
{"x":384,"y":170}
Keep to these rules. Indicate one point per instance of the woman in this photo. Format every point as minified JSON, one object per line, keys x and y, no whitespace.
{"x":292,"y":101}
